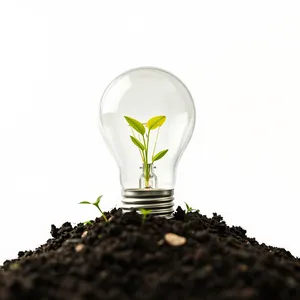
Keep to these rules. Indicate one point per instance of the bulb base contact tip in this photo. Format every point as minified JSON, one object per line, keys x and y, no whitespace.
{"x":159,"y":201}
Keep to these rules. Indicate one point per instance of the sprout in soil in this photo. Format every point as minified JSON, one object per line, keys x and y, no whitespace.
{"x":142,"y":139}
{"x":14,"y":266}
{"x":96,"y":204}
{"x":90,"y":222}
{"x":145,"y":213}
{"x":190,"y":209}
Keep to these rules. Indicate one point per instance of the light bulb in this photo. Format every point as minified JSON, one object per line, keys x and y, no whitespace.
{"x":147,"y":118}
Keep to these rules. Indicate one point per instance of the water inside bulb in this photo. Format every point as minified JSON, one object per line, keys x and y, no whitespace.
{"x":148,"y":180}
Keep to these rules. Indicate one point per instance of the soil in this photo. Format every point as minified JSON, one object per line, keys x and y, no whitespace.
{"x":127,"y":259}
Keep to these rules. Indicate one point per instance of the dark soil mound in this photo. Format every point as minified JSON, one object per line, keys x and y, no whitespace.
{"x":126,"y":260}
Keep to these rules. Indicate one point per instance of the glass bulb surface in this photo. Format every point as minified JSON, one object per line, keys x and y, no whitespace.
{"x":147,"y":157}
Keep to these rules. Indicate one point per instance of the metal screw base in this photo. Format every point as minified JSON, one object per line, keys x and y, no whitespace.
{"x":159,"y":201}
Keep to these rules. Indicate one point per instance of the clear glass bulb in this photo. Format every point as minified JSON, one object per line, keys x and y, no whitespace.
{"x":147,"y":119}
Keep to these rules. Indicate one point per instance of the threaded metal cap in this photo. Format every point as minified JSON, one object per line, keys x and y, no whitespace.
{"x":159,"y":201}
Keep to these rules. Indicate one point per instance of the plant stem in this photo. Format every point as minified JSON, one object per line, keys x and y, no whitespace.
{"x":103,"y":215}
{"x":146,"y":151}
{"x":155,"y":143}
{"x":142,"y":156}
{"x":148,"y":138}
{"x":146,"y":165}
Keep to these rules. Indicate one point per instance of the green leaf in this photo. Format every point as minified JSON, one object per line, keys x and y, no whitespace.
{"x":155,"y":122}
{"x":14,"y":266}
{"x":137,"y":143}
{"x":145,"y":212}
{"x":159,"y":155}
{"x":136,"y":125}
{"x":188,"y":208}
{"x":88,"y":223}
{"x":98,"y":200}
{"x":85,"y":202}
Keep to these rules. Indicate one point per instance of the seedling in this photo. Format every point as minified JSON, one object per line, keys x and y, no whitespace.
{"x":142,"y":139}
{"x":190,"y":209}
{"x":14,"y":266}
{"x":145,"y":213}
{"x":88,"y":222}
{"x":96,"y":204}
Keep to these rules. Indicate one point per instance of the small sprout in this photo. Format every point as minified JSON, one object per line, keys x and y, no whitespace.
{"x":190,"y":209}
{"x":79,"y":247}
{"x":174,"y":239}
{"x":145,"y":213}
{"x":88,"y":223}
{"x":96,"y":203}
{"x":14,"y":266}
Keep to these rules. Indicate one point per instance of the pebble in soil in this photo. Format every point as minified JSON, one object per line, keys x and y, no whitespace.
{"x":188,"y":257}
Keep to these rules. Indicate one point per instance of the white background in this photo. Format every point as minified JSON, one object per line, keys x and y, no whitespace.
{"x":241,"y":62}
